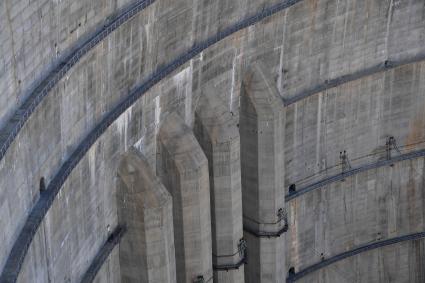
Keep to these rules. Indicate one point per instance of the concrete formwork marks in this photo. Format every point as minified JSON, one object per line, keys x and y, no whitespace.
{"x":218,"y":135}
{"x":183,"y":168}
{"x":145,"y":207}
{"x":261,"y":129}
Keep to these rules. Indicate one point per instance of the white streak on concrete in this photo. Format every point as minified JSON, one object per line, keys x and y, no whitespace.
{"x":318,"y":127}
{"x":232,"y":89}
{"x":122,"y":125}
{"x":157,"y":113}
{"x":387,"y":34}
{"x":183,"y":82}
{"x":140,"y":145}
{"x":92,"y":164}
{"x":282,"y":49}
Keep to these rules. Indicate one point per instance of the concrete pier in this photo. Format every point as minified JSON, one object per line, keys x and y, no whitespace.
{"x":261,"y":130}
{"x":183,"y":169}
{"x":147,"y":252}
{"x":217,"y":132}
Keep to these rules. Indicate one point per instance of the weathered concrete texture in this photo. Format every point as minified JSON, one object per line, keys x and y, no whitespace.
{"x":183,"y":169}
{"x":93,"y":87}
{"x":145,"y":207}
{"x":35,"y":35}
{"x":110,"y":271}
{"x":77,"y":225}
{"x":357,"y":117}
{"x":217,"y":132}
{"x":297,"y":46}
{"x":325,"y":39}
{"x":379,"y":204}
{"x":399,"y":263}
{"x":261,"y":131}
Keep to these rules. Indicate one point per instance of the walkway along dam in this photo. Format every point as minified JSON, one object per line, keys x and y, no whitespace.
{"x":212,"y":141}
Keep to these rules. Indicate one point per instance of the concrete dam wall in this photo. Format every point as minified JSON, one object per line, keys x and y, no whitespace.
{"x":212,"y":141}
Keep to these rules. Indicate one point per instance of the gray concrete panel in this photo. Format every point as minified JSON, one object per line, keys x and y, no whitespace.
{"x":147,"y":251}
{"x":183,"y":169}
{"x":261,"y":130}
{"x":217,"y":132}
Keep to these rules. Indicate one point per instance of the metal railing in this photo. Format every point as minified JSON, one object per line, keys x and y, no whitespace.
{"x":328,"y":84}
{"x":103,"y":254}
{"x":15,"y":124}
{"x":354,"y":171}
{"x":264,"y":234}
{"x":243,"y":254}
{"x":21,"y":245}
{"x":363,"y":248}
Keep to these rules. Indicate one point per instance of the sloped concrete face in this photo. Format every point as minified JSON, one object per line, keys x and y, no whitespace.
{"x":183,"y":169}
{"x":217,"y":132}
{"x":147,"y":250}
{"x":261,"y":130}
{"x":401,"y":262}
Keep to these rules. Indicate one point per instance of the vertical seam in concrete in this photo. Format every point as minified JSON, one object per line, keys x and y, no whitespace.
{"x":46,"y":250}
{"x":390,"y":15}
{"x":14,"y":65}
{"x":282,"y":49}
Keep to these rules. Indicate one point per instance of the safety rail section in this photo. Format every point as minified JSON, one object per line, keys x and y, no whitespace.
{"x":328,"y":84}
{"x":242,"y":251}
{"x":227,"y":267}
{"x":15,"y":124}
{"x":265,"y":234}
{"x":103,"y":254}
{"x":354,"y":171}
{"x":24,"y":239}
{"x":364,"y":248}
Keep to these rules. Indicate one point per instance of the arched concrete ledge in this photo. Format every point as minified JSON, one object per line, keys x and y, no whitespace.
{"x":354,"y":171}
{"x":353,"y":252}
{"x":381,"y":67}
{"x":15,"y":124}
{"x":25,"y":236}
{"x":103,"y":254}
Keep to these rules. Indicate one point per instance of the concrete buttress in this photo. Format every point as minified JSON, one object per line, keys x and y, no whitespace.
{"x":183,"y":169}
{"x":217,"y":132}
{"x":147,"y":251}
{"x":264,"y":216}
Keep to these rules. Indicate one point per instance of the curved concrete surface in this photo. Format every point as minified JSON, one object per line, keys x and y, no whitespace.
{"x":16,"y":257}
{"x":361,"y":249}
{"x":340,"y":177}
{"x":84,"y":103}
{"x":374,"y":205}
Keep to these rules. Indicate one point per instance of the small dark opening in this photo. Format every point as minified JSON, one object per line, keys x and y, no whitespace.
{"x":291,"y":271}
{"x":42,"y":184}
{"x":292,"y":188}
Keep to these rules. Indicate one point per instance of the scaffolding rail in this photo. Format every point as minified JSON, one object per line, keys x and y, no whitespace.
{"x":353,"y":171}
{"x":377,"y":68}
{"x":292,"y":277}
{"x":15,"y":124}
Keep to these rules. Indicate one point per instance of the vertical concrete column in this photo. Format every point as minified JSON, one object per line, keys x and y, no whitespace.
{"x":261,"y":130}
{"x":147,"y":250}
{"x":183,"y":168}
{"x":217,"y":132}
